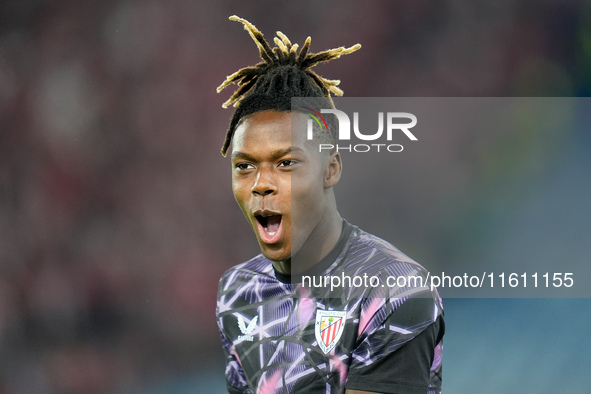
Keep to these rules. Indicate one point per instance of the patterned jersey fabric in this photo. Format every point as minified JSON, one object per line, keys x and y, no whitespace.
{"x":285,"y":334}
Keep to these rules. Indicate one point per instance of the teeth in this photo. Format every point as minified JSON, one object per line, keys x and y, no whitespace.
{"x":269,"y":232}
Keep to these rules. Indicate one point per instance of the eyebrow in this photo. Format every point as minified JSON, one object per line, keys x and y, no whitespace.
{"x":275,"y":154}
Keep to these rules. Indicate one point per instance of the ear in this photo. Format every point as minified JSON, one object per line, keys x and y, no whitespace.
{"x":333,"y":170}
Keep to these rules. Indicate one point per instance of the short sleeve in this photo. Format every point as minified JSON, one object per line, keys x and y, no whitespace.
{"x":399,"y":347}
{"x":235,"y":379}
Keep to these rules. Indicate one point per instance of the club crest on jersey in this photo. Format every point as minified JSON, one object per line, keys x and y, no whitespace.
{"x":329,"y":328}
{"x":244,"y":329}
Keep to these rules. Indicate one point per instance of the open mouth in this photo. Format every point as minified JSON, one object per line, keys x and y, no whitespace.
{"x":270,"y":223}
{"x":269,"y":226}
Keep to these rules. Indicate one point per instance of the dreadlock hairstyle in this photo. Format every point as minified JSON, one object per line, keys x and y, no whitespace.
{"x":284,"y":73}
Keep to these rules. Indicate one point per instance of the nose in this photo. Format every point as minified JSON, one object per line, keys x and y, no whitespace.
{"x":264,"y":183}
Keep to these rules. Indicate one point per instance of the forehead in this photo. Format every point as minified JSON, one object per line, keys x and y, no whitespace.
{"x":270,"y":128}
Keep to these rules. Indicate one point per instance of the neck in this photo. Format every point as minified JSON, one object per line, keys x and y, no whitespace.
{"x":318,"y":245}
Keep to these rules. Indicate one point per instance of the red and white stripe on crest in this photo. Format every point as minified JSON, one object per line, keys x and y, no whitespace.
{"x":330,"y":332}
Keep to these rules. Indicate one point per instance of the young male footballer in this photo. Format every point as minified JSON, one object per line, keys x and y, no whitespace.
{"x":280,"y":333}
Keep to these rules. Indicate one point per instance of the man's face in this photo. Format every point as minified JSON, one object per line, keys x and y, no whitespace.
{"x":277,"y":179}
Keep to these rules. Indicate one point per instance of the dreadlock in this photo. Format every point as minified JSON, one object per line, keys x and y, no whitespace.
{"x":284,"y":73}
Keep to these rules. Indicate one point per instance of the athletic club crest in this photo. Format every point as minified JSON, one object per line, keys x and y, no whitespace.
{"x":329,"y":328}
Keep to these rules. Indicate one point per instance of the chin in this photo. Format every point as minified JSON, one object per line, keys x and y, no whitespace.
{"x":275,"y":255}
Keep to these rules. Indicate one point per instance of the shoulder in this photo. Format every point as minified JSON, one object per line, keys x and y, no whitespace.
{"x":378,"y":255}
{"x":394,"y":279}
{"x":244,"y":284}
{"x":258,"y":265}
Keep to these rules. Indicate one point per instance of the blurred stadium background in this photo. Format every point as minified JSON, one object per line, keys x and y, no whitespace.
{"x":116,"y":213}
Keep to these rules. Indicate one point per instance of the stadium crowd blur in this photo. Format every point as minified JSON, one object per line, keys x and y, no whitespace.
{"x":116,"y":213}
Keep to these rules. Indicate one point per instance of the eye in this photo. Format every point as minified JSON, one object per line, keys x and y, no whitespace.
{"x":287,"y":163}
{"x":243,"y":166}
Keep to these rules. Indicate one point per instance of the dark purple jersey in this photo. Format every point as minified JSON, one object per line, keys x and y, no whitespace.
{"x":283,"y":334}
